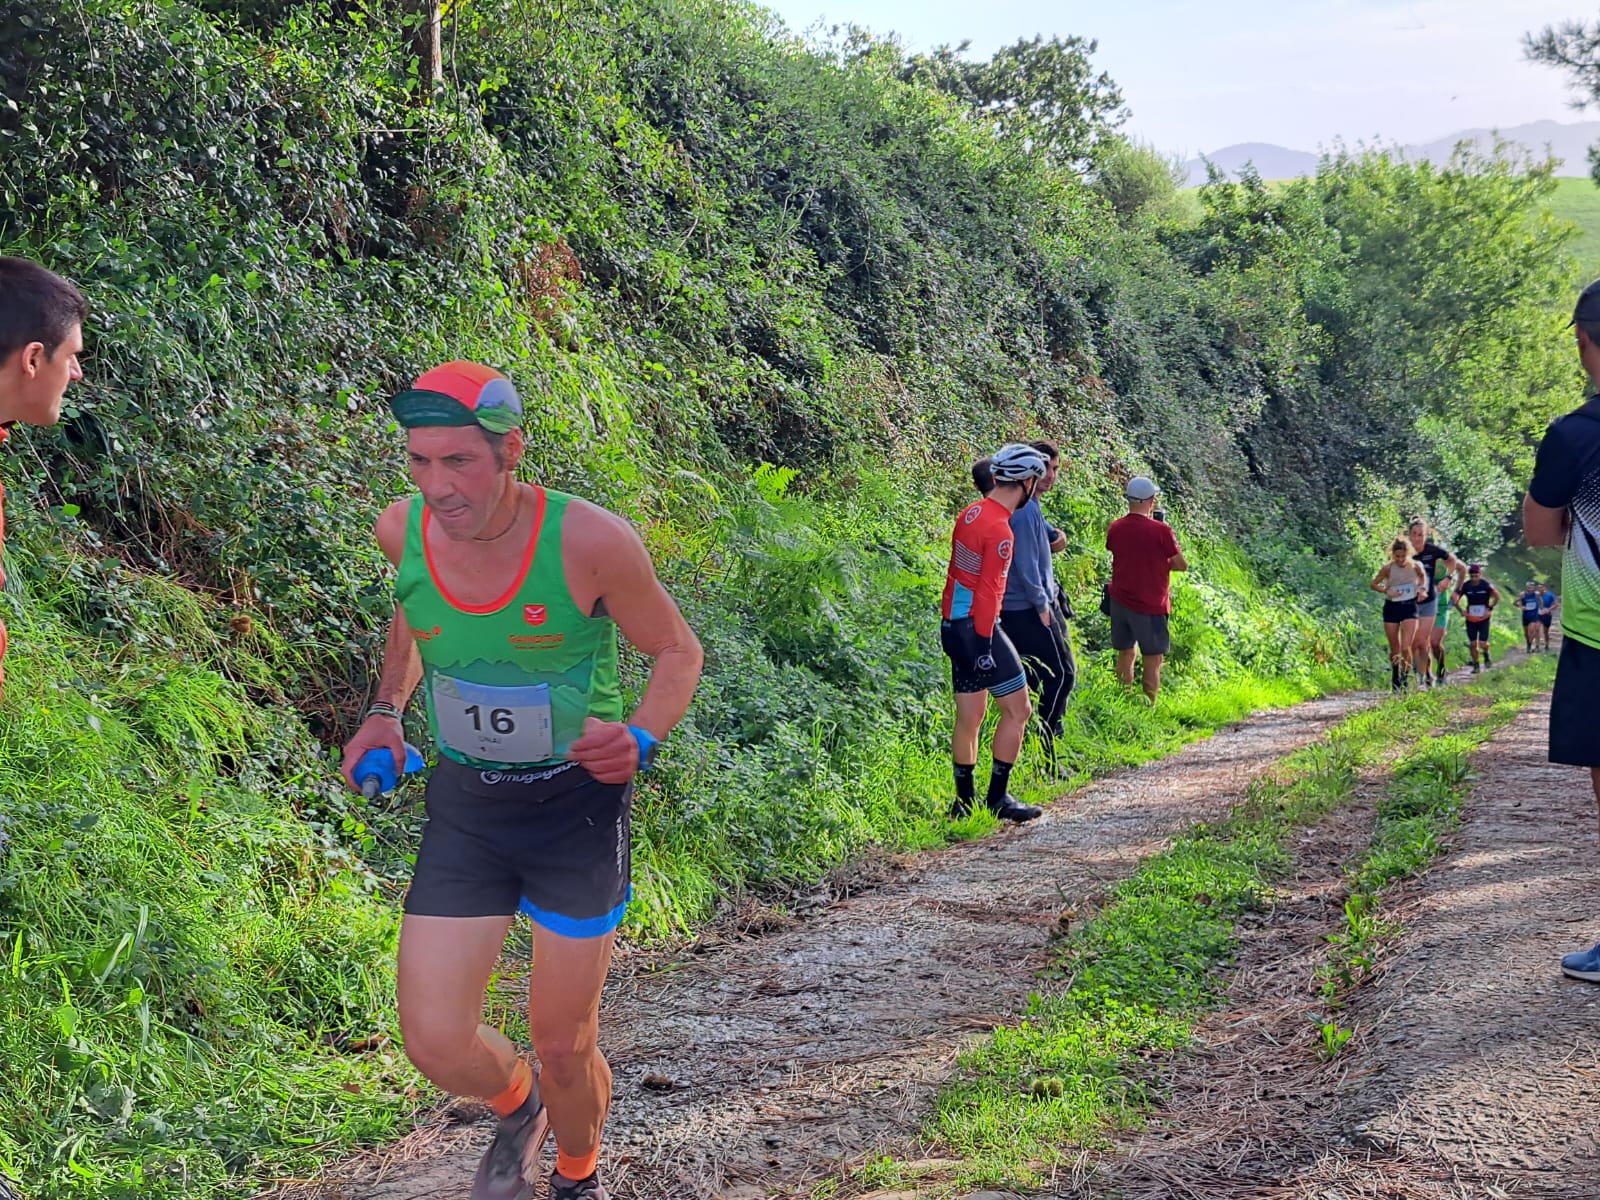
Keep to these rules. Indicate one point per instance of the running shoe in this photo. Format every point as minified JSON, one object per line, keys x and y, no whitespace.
{"x":1012,"y":809}
{"x":1487,"y":660}
{"x":1585,"y":964}
{"x":517,"y":1140}
{"x":960,"y":809}
{"x":562,"y":1188}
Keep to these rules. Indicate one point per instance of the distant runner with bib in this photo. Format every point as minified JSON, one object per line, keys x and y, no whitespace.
{"x":509,"y":600}
{"x":1430,"y":558}
{"x":983,"y":662}
{"x":1401,"y":580}
{"x":1547,"y":612}
{"x":1528,"y":602}
{"x":1476,"y":601}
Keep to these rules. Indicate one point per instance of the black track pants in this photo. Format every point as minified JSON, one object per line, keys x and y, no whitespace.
{"x":1047,"y":659}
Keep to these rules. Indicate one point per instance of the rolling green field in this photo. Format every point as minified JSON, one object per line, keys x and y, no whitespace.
{"x":1578,"y":201}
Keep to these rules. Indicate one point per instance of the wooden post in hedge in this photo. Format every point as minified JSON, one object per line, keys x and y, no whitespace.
{"x":426,"y":42}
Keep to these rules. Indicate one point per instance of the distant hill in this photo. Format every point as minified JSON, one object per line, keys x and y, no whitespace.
{"x":1568,"y":142}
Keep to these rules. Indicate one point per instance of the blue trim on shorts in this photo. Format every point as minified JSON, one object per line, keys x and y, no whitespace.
{"x":1009,"y":686}
{"x":576,"y":927}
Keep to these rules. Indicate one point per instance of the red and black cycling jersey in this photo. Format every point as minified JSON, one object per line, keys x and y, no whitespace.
{"x":980,"y":557}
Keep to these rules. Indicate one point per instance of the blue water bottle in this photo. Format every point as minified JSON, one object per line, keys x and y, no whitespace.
{"x":375,"y":770}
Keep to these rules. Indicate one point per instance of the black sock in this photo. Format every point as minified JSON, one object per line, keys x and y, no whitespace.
{"x":999,"y":777}
{"x":966,"y":789}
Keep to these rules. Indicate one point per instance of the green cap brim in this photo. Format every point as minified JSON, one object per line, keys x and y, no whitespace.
{"x":418,"y":408}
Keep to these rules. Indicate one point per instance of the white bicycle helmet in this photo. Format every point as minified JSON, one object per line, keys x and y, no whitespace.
{"x":1016,"y":463}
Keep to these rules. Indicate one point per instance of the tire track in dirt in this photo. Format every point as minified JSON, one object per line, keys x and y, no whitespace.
{"x":1473,"y":1070}
{"x":796,"y":1054}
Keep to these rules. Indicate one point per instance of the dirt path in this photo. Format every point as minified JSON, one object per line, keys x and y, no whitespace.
{"x":1475,"y":1063}
{"x":754,"y":1068}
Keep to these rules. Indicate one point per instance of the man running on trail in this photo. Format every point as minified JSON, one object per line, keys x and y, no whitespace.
{"x":41,"y":337}
{"x":1029,"y":613}
{"x":1429,"y":557}
{"x":1548,"y":601}
{"x":1528,"y":603}
{"x":982,"y":659}
{"x":1476,"y":601}
{"x":509,"y":600}
{"x":1144,"y":553}
{"x":1562,"y":508}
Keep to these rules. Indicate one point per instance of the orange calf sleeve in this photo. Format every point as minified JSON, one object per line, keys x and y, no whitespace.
{"x":508,"y":1101}
{"x":573,"y":1166}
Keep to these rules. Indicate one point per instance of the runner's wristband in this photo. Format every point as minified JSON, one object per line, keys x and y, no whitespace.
{"x":647,"y":746}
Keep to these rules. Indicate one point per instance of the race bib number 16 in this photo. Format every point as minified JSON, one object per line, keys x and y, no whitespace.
{"x":494,"y":724}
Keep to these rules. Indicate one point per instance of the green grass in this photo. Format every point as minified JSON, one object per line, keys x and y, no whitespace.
{"x":1421,"y":805}
{"x":1136,"y":977}
{"x":1578,"y":201}
{"x":195,"y":975}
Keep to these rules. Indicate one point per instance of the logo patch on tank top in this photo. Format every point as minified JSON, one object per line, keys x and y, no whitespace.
{"x":426,"y":635}
{"x":535,"y":614}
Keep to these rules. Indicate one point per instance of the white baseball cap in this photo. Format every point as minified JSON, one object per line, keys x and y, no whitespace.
{"x":1140,"y":488}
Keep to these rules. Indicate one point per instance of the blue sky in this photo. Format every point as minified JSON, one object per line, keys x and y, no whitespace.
{"x":1200,"y":76}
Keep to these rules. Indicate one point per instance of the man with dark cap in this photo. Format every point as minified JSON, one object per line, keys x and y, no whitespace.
{"x":509,"y":600}
{"x":41,"y":336}
{"x":1562,"y":508}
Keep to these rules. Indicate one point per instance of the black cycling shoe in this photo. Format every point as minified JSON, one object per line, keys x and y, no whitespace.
{"x":960,"y":809}
{"x":500,"y":1174}
{"x":562,"y":1188}
{"x":1012,"y":809}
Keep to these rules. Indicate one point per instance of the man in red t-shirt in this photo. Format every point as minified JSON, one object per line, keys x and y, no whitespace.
{"x":1144,"y":553}
{"x":41,"y":336}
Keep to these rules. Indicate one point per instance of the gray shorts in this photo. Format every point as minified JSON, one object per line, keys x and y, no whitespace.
{"x":1430,"y":609}
{"x":1148,"y":630}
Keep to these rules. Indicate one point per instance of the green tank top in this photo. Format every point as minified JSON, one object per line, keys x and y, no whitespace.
{"x":509,"y":683}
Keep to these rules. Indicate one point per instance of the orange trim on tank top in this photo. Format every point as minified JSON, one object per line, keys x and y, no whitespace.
{"x":494,"y":606}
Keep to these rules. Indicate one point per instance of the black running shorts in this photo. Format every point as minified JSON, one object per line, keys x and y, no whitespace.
{"x":1149,"y":631}
{"x":1478,"y":631}
{"x":1575,"y":706}
{"x":1395,"y":611}
{"x":553,"y":841}
{"x":960,"y":640}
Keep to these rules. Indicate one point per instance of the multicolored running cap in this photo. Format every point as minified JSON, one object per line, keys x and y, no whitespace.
{"x":460,"y":393}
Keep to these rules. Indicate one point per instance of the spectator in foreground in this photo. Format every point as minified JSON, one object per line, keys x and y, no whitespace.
{"x":1144,"y":553}
{"x":1562,"y":508}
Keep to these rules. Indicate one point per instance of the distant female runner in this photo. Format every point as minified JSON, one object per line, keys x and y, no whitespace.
{"x":1401,"y":580}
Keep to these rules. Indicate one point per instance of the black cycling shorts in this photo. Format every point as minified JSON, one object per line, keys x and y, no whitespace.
{"x":1575,"y":706}
{"x":960,"y":640}
{"x":1395,"y":611}
{"x":554,"y":842}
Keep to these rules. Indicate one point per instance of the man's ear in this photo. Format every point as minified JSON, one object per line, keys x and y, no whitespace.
{"x":26,"y":359}
{"x":515,"y":444}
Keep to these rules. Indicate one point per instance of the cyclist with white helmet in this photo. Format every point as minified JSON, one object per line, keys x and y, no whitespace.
{"x":983,"y":661}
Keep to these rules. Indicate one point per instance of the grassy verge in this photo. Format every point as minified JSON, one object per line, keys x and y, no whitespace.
{"x":1421,"y":804}
{"x":195,"y":972}
{"x":1138,"y":975}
